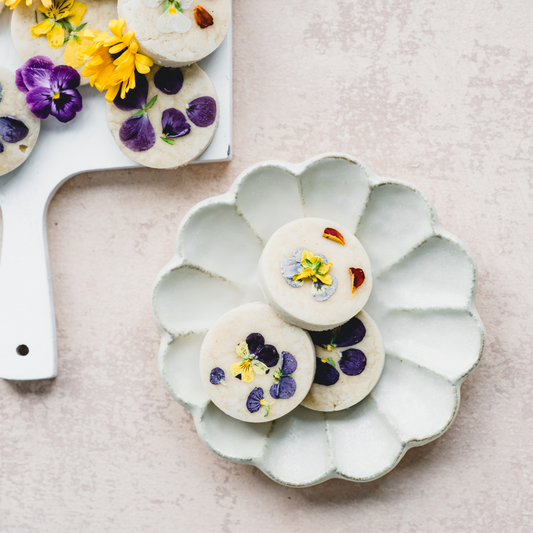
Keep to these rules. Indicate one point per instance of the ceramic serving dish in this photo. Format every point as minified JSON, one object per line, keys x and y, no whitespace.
{"x":423,"y":302}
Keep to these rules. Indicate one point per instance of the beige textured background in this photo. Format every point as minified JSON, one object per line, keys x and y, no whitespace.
{"x":436,"y":92}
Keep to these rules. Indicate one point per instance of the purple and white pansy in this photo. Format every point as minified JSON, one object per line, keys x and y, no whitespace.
{"x":50,"y":90}
{"x":137,"y":132}
{"x":12,"y":130}
{"x":352,"y":361}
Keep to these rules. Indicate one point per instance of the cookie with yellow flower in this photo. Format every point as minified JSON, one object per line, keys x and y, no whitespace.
{"x":175,"y":33}
{"x":167,"y":119}
{"x":54,"y":28}
{"x":254,"y":366}
{"x":314,"y":272}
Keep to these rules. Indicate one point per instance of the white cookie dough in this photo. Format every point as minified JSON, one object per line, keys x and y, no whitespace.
{"x":13,"y":104}
{"x":185,"y":149}
{"x":97,"y":16}
{"x":176,"y":49}
{"x":349,"y":389}
{"x":219,"y":353}
{"x":297,"y":305}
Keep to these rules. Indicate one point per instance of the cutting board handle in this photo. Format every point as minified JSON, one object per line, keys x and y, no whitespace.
{"x":28,"y":344}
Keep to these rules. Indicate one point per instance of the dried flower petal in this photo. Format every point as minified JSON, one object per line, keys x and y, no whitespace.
{"x":217,"y":376}
{"x":135,"y":98}
{"x":174,"y":124}
{"x":137,"y":133}
{"x":352,"y":362}
{"x":169,"y":80}
{"x":321,"y":292}
{"x":268,"y":355}
{"x":253,"y":403}
{"x":12,"y":130}
{"x":288,"y":363}
{"x":202,"y":17}
{"x":325,"y":374}
{"x":334,"y":235}
{"x":283,"y":389}
{"x":255,"y":342}
{"x":202,"y":112}
{"x":349,"y":334}
{"x":358,"y":278}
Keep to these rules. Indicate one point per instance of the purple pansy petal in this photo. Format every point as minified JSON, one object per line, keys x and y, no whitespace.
{"x":1,"y":147}
{"x":135,"y":98}
{"x":202,"y":111}
{"x":321,"y":338}
{"x":67,"y":105}
{"x":321,"y":292}
{"x":253,"y":403}
{"x":351,"y":333}
{"x":288,"y":363}
{"x":36,"y":72}
{"x":174,"y":123}
{"x":137,"y":133}
{"x":352,"y":362}
{"x":169,"y":80}
{"x":268,"y":355}
{"x":39,"y":101}
{"x":283,"y":389}
{"x":12,"y":130}
{"x":289,"y":268}
{"x":217,"y":375}
{"x":20,"y":82}
{"x":64,"y":77}
{"x":255,"y":342}
{"x":325,"y":374}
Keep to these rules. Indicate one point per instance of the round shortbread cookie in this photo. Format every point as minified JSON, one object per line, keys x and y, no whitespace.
{"x":176,"y":49}
{"x":97,"y":17}
{"x":254,"y":366}
{"x":196,"y":85}
{"x":13,"y":105}
{"x":356,"y":351}
{"x":313,"y":305}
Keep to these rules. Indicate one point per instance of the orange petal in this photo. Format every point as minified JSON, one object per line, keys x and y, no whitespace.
{"x":358,"y":278}
{"x":334,"y":235}
{"x":202,"y":17}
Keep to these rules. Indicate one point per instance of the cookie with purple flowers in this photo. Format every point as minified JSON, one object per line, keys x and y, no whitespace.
{"x":19,"y":128}
{"x":96,"y":16}
{"x":315,"y":273}
{"x":177,"y":33}
{"x":349,"y":362}
{"x":168,"y":119}
{"x":254,"y":366}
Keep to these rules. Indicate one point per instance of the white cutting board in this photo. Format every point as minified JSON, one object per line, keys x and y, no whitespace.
{"x":27,"y":315}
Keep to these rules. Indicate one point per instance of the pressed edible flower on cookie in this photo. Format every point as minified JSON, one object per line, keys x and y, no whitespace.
{"x":256,"y":357}
{"x":217,"y":376}
{"x":352,"y":361}
{"x":315,"y":267}
{"x":256,"y":400}
{"x":284,"y":384}
{"x":12,"y":4}
{"x":12,"y":130}
{"x":49,"y":89}
{"x":172,"y":19}
{"x":114,"y":60}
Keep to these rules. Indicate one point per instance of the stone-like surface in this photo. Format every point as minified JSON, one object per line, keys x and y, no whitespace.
{"x":435,"y":93}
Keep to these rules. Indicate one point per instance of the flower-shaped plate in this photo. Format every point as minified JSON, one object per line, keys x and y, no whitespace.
{"x":422,"y":300}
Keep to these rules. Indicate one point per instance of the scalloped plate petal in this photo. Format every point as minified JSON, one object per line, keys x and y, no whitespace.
{"x":423,"y":302}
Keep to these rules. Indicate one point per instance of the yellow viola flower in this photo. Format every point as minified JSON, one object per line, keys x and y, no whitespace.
{"x":249,"y":365}
{"x":60,"y":15}
{"x":314,"y":268}
{"x":114,"y":60}
{"x":12,"y":4}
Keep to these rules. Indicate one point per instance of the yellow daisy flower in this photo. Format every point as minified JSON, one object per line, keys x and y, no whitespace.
{"x":56,"y":11}
{"x":114,"y":60}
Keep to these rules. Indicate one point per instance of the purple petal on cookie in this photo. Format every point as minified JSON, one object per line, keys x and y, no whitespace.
{"x":351,"y":333}
{"x":321,"y":292}
{"x":64,"y":77}
{"x":36,"y":72}
{"x":325,"y":374}
{"x":268,"y":355}
{"x":39,"y":101}
{"x":289,"y":268}
{"x":321,"y":338}
{"x":0,"y":92}
{"x":19,"y":82}
{"x":1,"y":147}
{"x":288,"y":363}
{"x":283,"y":389}
{"x":135,"y":98}
{"x":255,"y":342}
{"x":174,"y":123}
{"x":137,"y":133}
{"x":203,"y":111}
{"x":253,"y":403}
{"x":67,"y":105}
{"x":169,"y":80}
{"x":12,"y":130}
{"x":217,"y":375}
{"x":352,"y":362}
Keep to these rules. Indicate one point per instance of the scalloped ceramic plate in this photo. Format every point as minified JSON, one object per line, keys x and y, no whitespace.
{"x":423,"y":302}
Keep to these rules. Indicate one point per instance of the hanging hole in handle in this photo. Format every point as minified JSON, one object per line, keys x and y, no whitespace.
{"x":23,"y":350}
